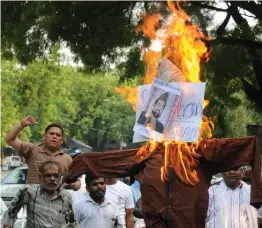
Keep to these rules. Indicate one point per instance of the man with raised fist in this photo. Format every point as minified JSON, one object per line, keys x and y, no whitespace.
{"x":37,"y":154}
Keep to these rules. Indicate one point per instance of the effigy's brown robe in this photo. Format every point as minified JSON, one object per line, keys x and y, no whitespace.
{"x":174,"y":204}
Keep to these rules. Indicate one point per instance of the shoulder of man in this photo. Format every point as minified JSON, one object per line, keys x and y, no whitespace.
{"x":214,"y":187}
{"x":245,"y":185}
{"x":25,"y":193}
{"x":79,"y":197}
{"x":122,"y":184}
{"x":65,"y":193}
{"x":32,"y":189}
{"x":25,"y":147}
{"x":66,"y":155}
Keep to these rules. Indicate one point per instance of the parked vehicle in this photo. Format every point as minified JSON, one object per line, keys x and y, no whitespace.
{"x":5,"y":167}
{"x":12,"y":183}
{"x":10,"y":186}
{"x":13,"y":161}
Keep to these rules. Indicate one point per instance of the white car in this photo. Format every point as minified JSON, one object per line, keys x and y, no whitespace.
{"x":9,"y":188}
{"x":12,"y":183}
{"x":13,"y":161}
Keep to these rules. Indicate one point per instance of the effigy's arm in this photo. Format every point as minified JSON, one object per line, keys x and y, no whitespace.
{"x":226,"y":154}
{"x":107,"y":164}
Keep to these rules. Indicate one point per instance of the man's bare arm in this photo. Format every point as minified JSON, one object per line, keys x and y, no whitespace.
{"x":129,"y":218}
{"x":11,"y":137}
{"x":74,"y":186}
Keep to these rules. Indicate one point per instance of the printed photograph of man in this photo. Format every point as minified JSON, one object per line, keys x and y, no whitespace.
{"x":152,"y":118}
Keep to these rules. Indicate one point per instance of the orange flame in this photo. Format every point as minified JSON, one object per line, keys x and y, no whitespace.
{"x":130,"y":95}
{"x":180,"y":41}
{"x":151,"y":58}
{"x":149,"y":26}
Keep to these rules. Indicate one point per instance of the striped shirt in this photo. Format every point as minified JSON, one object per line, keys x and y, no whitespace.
{"x":42,"y":212}
{"x":230,"y":208}
{"x":36,"y":155}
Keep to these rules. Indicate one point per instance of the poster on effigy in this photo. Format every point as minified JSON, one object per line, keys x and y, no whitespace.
{"x":184,"y":125}
{"x":158,"y":108}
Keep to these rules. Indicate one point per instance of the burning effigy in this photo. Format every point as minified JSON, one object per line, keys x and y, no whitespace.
{"x":174,"y":170}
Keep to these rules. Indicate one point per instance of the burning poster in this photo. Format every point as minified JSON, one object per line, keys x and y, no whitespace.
{"x":184,"y":124}
{"x":158,"y":109}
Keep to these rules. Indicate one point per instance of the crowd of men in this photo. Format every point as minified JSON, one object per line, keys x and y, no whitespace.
{"x":102,"y":202}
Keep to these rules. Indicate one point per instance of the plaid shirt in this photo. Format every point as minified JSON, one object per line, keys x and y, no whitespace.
{"x":42,"y":212}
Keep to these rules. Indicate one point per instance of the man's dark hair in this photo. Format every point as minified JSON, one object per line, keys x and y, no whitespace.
{"x":54,"y":125}
{"x":89,"y":178}
{"x":43,"y":165}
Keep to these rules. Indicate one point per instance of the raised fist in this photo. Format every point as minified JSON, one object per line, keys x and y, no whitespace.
{"x":28,"y":121}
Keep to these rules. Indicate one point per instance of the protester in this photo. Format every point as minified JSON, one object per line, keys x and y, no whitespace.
{"x":92,"y":208}
{"x":229,"y":203}
{"x":139,"y":222}
{"x":121,"y":194}
{"x":259,"y":216}
{"x":35,"y":155}
{"x":135,"y":187}
{"x":47,"y":204}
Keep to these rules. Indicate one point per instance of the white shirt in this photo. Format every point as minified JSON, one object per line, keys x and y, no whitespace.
{"x":230,"y":208}
{"x":90,"y":214}
{"x":76,"y":194}
{"x":120,"y":194}
{"x":83,"y":184}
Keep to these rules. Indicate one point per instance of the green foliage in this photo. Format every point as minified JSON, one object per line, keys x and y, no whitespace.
{"x":90,"y":28}
{"x":103,"y":113}
{"x":94,"y":29}
{"x":87,"y":106}
{"x":237,"y":118}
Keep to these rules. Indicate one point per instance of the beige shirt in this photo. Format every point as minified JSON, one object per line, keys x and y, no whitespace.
{"x":36,"y":155}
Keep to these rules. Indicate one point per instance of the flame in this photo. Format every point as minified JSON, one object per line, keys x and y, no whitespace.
{"x":206,"y":102}
{"x":130,"y":95}
{"x":179,"y":40}
{"x":151,"y":58}
{"x":149,"y":26}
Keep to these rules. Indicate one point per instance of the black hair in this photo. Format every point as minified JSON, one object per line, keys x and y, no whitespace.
{"x":54,"y":125}
{"x":44,"y":164}
{"x":90,"y":177}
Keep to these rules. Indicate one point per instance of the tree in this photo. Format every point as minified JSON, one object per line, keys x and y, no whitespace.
{"x":108,"y":30}
{"x":87,"y":106}
{"x":237,"y":52}
{"x":91,"y":29}
{"x":103,"y":113}
{"x":42,"y":90}
{"x":94,"y":29}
